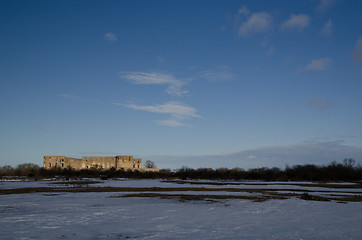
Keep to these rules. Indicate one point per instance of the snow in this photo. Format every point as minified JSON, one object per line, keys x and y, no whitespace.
{"x":100,"y":216}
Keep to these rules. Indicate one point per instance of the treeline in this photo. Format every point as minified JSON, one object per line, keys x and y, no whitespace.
{"x":348,"y":170}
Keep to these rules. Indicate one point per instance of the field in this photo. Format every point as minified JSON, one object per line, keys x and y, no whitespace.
{"x":175,"y":209}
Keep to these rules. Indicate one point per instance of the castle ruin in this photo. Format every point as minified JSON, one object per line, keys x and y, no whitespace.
{"x":94,"y":162}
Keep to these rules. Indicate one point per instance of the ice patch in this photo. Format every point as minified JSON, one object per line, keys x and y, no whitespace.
{"x":82,"y":216}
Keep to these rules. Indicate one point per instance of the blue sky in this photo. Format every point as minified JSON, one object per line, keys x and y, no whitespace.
{"x":182,"y":83}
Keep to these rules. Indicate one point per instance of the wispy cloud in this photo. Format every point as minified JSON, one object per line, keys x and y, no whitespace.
{"x":177,"y":112}
{"x":221,"y":73}
{"x":244,"y":11}
{"x":259,"y":22}
{"x":155,"y":78}
{"x":319,"y":64}
{"x":176,"y":109}
{"x":320,"y":104}
{"x":110,"y":37}
{"x":250,"y":157}
{"x":327,"y":28}
{"x":357,"y":52}
{"x":296,"y":22}
{"x":325,"y":4}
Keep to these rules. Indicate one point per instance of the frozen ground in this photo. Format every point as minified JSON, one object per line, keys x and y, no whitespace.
{"x":91,"y":215}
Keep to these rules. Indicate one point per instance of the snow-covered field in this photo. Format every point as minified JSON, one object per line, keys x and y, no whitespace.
{"x":106,"y":215}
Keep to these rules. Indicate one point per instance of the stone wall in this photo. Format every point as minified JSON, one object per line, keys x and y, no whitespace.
{"x":93,"y":162}
{"x":98,"y":162}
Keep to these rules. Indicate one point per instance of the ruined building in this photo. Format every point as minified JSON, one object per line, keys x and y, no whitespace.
{"x":88,"y":162}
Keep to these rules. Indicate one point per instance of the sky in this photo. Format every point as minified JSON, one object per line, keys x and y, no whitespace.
{"x":182,"y":83}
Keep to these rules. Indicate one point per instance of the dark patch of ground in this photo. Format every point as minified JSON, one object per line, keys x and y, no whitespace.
{"x":319,"y":184}
{"x":192,"y":197}
{"x":259,"y":194}
{"x":79,"y":183}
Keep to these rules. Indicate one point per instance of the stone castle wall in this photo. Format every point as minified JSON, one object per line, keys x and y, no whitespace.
{"x":93,"y":162}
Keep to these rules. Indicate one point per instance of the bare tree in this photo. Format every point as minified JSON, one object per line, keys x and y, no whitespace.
{"x":150,"y":164}
{"x":349,"y":162}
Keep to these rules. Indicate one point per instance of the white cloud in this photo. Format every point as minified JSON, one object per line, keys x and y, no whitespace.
{"x":222,"y":73}
{"x":357,"y":52}
{"x":296,"y":22}
{"x":110,"y":37}
{"x":176,"y":110}
{"x":325,"y":4}
{"x":251,"y":157}
{"x":243,"y":11}
{"x":319,"y":64}
{"x":327,"y":28}
{"x":259,"y":22}
{"x":155,"y":78}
